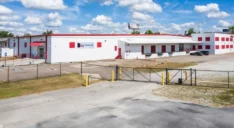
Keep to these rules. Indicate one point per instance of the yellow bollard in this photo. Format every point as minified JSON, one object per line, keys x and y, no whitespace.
{"x":186,"y":74}
{"x":86,"y":80}
{"x":169,"y":78}
{"x":113,"y":76}
{"x":162,"y":79}
{"x":120,"y":73}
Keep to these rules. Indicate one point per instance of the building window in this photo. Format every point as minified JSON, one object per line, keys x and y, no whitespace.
{"x":181,"y":47}
{"x":142,"y":50}
{"x":207,"y":47}
{"x":223,"y":39}
{"x":199,"y":46}
{"x":78,"y":45}
{"x":231,"y":46}
{"x":14,"y":44}
{"x":223,"y":46}
{"x":25,"y":45}
{"x":231,"y":39}
{"x":216,"y":38}
{"x":199,"y":38}
{"x":116,"y":48}
{"x":227,"y":39}
{"x":217,"y":47}
{"x":227,"y":46}
{"x":72,"y":45}
{"x":207,"y":38}
{"x":172,"y":48}
{"x":99,"y":44}
{"x":153,"y":49}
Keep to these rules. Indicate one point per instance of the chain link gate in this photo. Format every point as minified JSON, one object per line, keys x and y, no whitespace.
{"x":139,"y":74}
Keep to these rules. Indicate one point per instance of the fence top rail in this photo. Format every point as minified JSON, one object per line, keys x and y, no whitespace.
{"x":202,"y":70}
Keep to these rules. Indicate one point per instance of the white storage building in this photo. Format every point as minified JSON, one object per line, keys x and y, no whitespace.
{"x":83,"y":47}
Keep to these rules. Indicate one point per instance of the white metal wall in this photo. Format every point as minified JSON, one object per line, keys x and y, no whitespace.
{"x":220,"y":43}
{"x":211,"y":43}
{"x":60,"y":51}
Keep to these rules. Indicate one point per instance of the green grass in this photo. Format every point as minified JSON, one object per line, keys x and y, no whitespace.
{"x":26,"y":87}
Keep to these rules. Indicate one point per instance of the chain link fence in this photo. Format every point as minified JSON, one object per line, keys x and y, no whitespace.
{"x":191,"y":77}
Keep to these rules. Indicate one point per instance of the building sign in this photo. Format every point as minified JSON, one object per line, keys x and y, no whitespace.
{"x":85,"y":45}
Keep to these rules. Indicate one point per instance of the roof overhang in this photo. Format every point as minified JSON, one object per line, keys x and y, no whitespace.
{"x":160,"y":41}
{"x":36,"y":44}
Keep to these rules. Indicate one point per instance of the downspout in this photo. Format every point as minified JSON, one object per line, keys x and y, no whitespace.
{"x":30,"y":39}
{"x":46,"y":52}
{"x":18,"y":46}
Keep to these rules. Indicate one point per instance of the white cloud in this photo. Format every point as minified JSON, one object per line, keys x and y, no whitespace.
{"x":140,"y":5}
{"x":35,"y":29}
{"x":223,"y":23}
{"x":141,"y":16}
{"x":11,"y":24}
{"x":90,"y":27}
{"x":54,"y":20}
{"x":211,"y":10}
{"x":217,"y":14}
{"x":9,"y":17}
{"x":101,"y":19}
{"x":183,"y":11}
{"x":54,"y":16}
{"x":48,"y":5}
{"x":5,"y":10}
{"x":215,"y":28}
{"x":207,"y":8}
{"x":107,"y":2}
{"x":77,"y":30}
{"x":54,"y":23}
{"x":33,"y":20}
{"x":175,"y":27}
{"x":188,"y":25}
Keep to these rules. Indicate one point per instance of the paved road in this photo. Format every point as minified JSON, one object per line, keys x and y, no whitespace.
{"x":109,"y":105}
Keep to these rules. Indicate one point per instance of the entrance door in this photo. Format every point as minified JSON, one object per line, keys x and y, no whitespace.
{"x":41,"y":53}
{"x":172,"y":48}
{"x":163,"y":48}
{"x":194,"y":47}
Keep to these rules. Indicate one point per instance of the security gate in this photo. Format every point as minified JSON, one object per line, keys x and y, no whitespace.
{"x":140,"y":74}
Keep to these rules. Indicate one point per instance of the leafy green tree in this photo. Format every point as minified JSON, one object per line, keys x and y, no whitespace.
{"x":48,"y":32}
{"x":149,"y":32}
{"x":136,"y":32}
{"x":231,"y":29}
{"x":4,"y":34}
{"x":27,"y":34}
{"x":11,"y":35}
{"x":190,"y":32}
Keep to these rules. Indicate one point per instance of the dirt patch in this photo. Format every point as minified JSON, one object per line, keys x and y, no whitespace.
{"x":215,"y":97}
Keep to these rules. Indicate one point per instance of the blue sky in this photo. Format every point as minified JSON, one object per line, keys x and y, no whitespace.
{"x":112,"y":16}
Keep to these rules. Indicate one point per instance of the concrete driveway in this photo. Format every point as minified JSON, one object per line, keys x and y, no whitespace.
{"x":109,"y":105}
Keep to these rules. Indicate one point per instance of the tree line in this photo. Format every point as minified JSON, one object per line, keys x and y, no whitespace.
{"x":4,"y":34}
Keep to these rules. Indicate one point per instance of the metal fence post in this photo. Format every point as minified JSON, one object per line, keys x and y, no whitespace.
{"x":149,"y":74}
{"x":228,"y":79}
{"x":166,"y":76}
{"x":37,"y":72}
{"x":191,"y":77}
{"x":81,"y":67}
{"x":195,"y":77}
{"x":117,"y":73}
{"x":60,"y":68}
{"x":8,"y":74}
